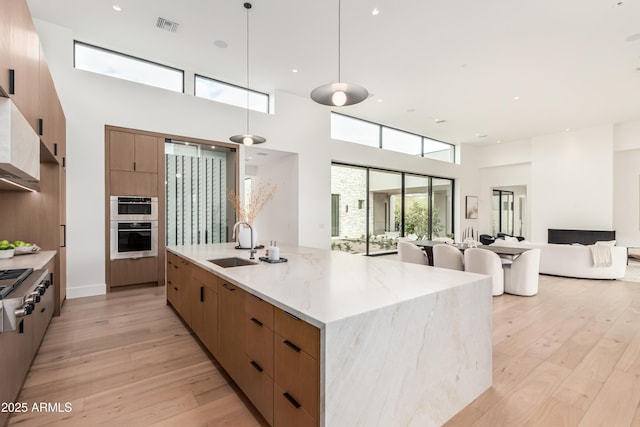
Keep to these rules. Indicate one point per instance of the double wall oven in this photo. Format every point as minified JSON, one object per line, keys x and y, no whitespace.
{"x":134,"y":227}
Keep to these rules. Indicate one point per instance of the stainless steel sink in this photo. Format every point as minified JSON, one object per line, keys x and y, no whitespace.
{"x":232,"y":262}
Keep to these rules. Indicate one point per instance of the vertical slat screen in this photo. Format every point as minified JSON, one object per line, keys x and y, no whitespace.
{"x":195,"y":195}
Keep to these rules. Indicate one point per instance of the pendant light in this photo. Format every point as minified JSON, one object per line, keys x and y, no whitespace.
{"x":247,"y":138}
{"x":339,"y":94}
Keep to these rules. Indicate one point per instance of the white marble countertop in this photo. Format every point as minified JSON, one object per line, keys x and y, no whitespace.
{"x":324,"y":286}
{"x":35,"y":260}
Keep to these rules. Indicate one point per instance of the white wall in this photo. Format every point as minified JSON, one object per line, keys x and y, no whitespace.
{"x":626,"y":181}
{"x":572,"y":174}
{"x":279,"y":219}
{"x":91,"y":101}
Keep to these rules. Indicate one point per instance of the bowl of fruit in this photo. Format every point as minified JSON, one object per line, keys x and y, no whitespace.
{"x":7,"y":249}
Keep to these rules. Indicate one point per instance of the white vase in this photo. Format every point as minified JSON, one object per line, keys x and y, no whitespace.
{"x":244,"y":237}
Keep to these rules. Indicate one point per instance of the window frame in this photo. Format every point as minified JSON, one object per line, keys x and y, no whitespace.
{"x":125,"y":55}
{"x":245,"y":89}
{"x":381,"y":139}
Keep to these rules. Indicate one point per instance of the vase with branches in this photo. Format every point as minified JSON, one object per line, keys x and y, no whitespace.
{"x":248,"y":207}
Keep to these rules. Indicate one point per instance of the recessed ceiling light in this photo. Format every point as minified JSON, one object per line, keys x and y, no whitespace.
{"x":498,"y":142}
{"x":117,"y":8}
{"x":439,"y":120}
{"x":481,"y":135}
{"x":220,"y":43}
{"x":567,"y":129}
{"x":375,"y":11}
{"x":515,"y":98}
{"x":295,"y":70}
{"x":379,"y":100}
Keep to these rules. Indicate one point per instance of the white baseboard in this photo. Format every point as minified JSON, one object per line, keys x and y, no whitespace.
{"x":86,"y":291}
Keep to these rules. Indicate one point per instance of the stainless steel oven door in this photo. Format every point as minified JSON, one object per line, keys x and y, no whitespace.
{"x":133,"y":208}
{"x":133,"y":239}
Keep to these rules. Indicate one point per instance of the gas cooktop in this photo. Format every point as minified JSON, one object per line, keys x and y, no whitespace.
{"x":10,"y":279}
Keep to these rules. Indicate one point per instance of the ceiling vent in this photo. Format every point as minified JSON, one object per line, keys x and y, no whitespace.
{"x":165,"y":24}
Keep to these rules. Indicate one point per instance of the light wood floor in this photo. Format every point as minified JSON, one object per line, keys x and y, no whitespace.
{"x":569,"y":356}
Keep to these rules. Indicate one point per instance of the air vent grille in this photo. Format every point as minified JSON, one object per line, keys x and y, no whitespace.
{"x":165,"y":24}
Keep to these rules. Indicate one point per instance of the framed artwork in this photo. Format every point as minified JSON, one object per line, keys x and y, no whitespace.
{"x":471,"y":207}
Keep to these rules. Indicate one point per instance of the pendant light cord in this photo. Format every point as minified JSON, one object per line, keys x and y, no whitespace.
{"x":247,"y":6}
{"x":339,"y":53}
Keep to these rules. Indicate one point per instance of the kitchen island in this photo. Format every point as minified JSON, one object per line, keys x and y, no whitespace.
{"x":398,"y":343}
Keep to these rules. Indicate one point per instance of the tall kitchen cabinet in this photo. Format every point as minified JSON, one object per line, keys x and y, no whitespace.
{"x":25,"y":78}
{"x":134,"y":167}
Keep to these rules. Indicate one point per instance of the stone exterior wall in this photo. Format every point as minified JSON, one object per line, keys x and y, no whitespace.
{"x":350,"y":184}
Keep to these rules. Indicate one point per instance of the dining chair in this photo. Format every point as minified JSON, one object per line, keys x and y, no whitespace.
{"x":485,"y":262}
{"x":408,"y":252}
{"x":447,"y":256}
{"x":522,"y":277}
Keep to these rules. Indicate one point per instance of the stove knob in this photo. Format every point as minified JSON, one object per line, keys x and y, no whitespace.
{"x":47,"y":284}
{"x":34,"y":298}
{"x":41,"y":290}
{"x":24,"y":311}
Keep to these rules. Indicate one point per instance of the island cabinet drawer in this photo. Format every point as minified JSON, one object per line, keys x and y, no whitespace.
{"x":258,"y":386}
{"x":298,"y":332}
{"x":260,"y":310}
{"x":288,"y":413}
{"x":297,"y":374}
{"x":258,"y":344}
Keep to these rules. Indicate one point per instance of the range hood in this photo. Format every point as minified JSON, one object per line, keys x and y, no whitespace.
{"x":19,"y":150}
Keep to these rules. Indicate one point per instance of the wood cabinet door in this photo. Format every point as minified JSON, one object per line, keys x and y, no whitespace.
{"x":121,"y":151}
{"x":46,"y":107}
{"x":134,"y":271}
{"x":231,"y":330}
{"x":146,"y":153}
{"x":5,"y":35}
{"x":25,"y":61}
{"x":209,"y":335}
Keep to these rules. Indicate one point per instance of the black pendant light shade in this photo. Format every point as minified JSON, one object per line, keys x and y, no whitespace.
{"x":247,"y":138}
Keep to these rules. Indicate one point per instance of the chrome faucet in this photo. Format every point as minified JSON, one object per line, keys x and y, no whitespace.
{"x":252,"y":251}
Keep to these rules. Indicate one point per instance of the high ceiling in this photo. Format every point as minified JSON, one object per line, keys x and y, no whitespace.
{"x":494,"y":70}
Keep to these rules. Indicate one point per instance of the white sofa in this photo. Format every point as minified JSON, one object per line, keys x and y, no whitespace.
{"x":575,"y":260}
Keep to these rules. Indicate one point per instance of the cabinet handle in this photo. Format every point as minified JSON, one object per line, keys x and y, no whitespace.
{"x":256,"y":321}
{"x":292,"y":346}
{"x":175,"y":266}
{"x":41,"y":132}
{"x":169,"y":282}
{"x":175,"y":289}
{"x":291,"y":400}
{"x":291,"y":315}
{"x":255,"y":365}
{"x":134,"y":165}
{"x":64,"y":235}
{"x":12,"y":82}
{"x":201,"y":293}
{"x":227,"y":287}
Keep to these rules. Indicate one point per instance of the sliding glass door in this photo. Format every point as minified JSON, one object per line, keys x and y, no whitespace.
{"x":372,"y":208}
{"x":503,"y":212}
{"x":385,"y":194}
